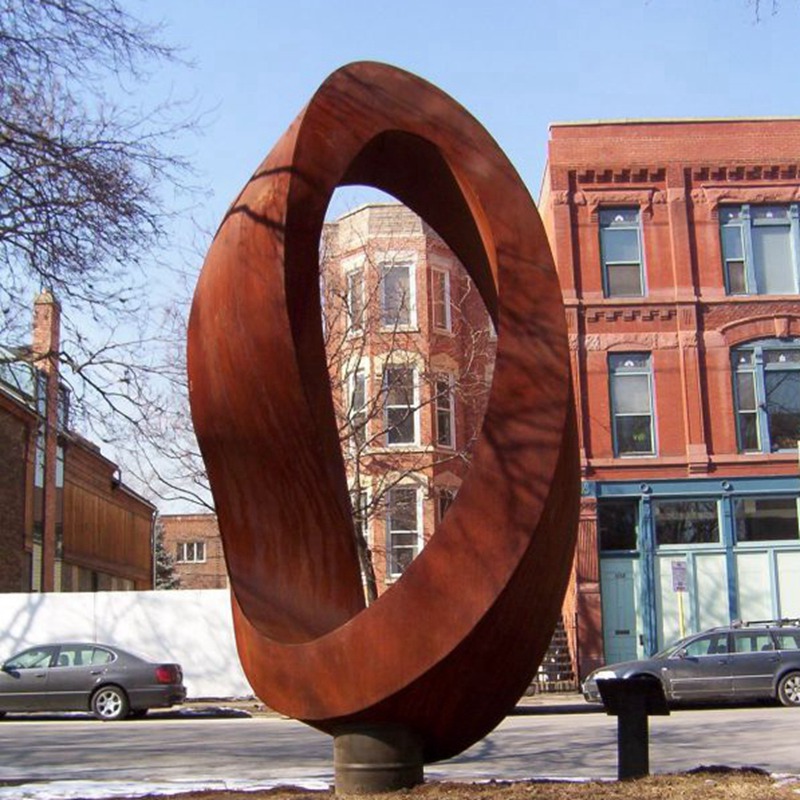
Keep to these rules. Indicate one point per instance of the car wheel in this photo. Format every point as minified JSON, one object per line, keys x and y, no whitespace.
{"x":789,"y":689}
{"x":110,"y":703}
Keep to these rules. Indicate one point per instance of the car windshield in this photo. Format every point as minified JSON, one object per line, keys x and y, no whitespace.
{"x":670,"y":649}
{"x":35,"y":658}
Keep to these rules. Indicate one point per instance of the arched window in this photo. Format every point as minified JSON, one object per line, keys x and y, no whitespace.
{"x":766,"y":377}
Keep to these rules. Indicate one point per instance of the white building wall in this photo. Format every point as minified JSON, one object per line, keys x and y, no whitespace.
{"x":193,"y":628}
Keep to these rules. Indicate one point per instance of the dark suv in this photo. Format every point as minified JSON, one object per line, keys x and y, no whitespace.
{"x":741,"y":661}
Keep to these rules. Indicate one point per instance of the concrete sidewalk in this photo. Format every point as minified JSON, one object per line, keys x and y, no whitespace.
{"x":544,"y":703}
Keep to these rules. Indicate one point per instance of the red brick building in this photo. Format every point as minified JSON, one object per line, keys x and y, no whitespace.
{"x":678,"y":249}
{"x":194,"y":544}
{"x":67,"y":522}
{"x":410,"y":353}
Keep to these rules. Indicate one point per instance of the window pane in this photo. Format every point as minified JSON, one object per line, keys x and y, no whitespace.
{"x":400,"y":423}
{"x":732,"y":243}
{"x":620,"y":245}
{"x":396,"y":295}
{"x":355,"y":299}
{"x":625,"y":361}
{"x":631,"y":394}
{"x":402,"y":526}
{"x":359,"y":390}
{"x":444,"y":415}
{"x":634,"y":435}
{"x":748,"y":431}
{"x":751,"y":642}
{"x":399,"y":387}
{"x":708,"y":645}
{"x":766,"y":519}
{"x":35,"y":657}
{"x":787,"y":641}
{"x":441,"y":298}
{"x":737,"y":279}
{"x":403,"y":509}
{"x":745,"y":391}
{"x":624,"y":280}
{"x":769,"y":213}
{"x":772,"y":251}
{"x":686,"y":522}
{"x":783,"y":408}
{"x":791,"y":355}
{"x":399,"y":405}
{"x":618,"y":522}
{"x":619,"y":216}
{"x":400,"y":559}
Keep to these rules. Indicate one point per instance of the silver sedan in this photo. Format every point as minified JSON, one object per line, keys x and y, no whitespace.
{"x":110,"y":682}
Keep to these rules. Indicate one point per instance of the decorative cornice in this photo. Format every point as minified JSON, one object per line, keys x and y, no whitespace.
{"x":625,"y":175}
{"x":630,"y":341}
{"x":631,"y":314}
{"x":749,"y":172}
{"x":781,"y":326}
{"x":644,"y":197}
{"x":715,"y":195}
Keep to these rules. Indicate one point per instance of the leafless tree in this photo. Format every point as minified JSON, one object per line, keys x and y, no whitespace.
{"x":371,"y":409}
{"x":83,"y":210}
{"x":384,"y":375}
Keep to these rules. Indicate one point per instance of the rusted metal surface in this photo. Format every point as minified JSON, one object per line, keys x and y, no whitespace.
{"x":451,"y":646}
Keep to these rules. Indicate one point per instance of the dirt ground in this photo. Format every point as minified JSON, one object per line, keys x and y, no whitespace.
{"x":728,"y":785}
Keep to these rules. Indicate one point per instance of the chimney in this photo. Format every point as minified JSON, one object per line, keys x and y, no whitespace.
{"x":46,"y":332}
{"x":46,"y":343}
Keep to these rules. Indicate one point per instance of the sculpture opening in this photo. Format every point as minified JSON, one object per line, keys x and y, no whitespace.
{"x":473,"y":613}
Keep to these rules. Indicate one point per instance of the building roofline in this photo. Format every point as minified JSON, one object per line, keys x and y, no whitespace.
{"x":364,"y":206}
{"x":667,"y":121}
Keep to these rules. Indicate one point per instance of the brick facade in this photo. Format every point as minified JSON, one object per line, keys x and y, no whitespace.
{"x":682,"y":321}
{"x":67,"y":523}
{"x":205,"y":571}
{"x":437,"y":332}
{"x":13,"y":462}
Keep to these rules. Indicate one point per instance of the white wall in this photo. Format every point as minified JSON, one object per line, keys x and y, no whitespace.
{"x":194,"y":628}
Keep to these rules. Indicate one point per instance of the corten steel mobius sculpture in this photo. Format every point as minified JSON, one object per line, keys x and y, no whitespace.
{"x":446,"y":652}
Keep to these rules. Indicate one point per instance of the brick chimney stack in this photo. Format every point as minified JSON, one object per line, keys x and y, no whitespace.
{"x":46,"y":331}
{"x":46,"y":343}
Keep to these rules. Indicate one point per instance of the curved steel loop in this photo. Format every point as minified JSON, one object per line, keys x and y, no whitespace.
{"x":452,"y":645}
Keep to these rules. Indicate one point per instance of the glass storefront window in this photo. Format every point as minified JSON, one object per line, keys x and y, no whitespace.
{"x":686,"y":522}
{"x":618,"y":524}
{"x":766,"y":519}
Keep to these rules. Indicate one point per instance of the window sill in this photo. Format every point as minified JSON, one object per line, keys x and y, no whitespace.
{"x":414,"y":328}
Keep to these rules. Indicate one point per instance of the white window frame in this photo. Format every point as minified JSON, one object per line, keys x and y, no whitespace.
{"x":444,"y":389}
{"x":411,"y":301}
{"x":193,"y":552}
{"x":354,"y":294}
{"x":355,"y":409}
{"x":620,"y":371}
{"x":361,"y":497}
{"x":412,"y":406}
{"x":446,"y":324}
{"x":391,"y":566}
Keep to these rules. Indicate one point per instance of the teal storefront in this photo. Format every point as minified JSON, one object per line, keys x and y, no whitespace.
{"x":679,"y":556}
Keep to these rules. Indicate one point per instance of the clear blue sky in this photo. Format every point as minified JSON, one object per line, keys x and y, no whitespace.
{"x":517,"y":65}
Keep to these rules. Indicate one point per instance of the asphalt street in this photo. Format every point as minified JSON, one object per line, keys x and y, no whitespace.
{"x":529,"y":744}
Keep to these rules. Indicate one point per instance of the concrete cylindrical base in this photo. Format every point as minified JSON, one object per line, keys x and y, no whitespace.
{"x":369,"y":759}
